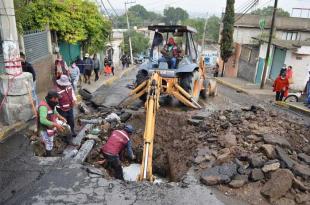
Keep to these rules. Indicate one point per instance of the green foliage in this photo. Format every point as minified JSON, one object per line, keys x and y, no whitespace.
{"x":139,"y":42}
{"x":73,"y":20}
{"x":213,"y":28}
{"x":138,"y":16}
{"x":267,"y":11}
{"x":174,"y":15}
{"x":228,"y":31}
{"x":198,"y":24}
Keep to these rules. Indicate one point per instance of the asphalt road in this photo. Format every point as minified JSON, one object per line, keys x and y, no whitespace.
{"x":25,"y":179}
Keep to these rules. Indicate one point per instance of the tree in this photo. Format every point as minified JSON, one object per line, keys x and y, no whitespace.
{"x":139,"y":42}
{"x":227,"y":32}
{"x":213,"y":28}
{"x":198,"y":24}
{"x":138,"y":16}
{"x":267,"y":11}
{"x":73,"y":20}
{"x":174,"y":15}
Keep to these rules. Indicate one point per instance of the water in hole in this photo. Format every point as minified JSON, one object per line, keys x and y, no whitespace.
{"x":132,"y":171}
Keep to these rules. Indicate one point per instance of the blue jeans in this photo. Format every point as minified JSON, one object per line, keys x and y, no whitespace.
{"x":172,"y":62}
{"x":69,"y":116}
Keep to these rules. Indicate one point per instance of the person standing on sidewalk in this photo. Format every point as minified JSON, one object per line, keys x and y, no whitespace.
{"x":280,"y":86}
{"x":27,"y":67}
{"x":61,"y":67}
{"x":124,"y":60}
{"x":67,"y":101}
{"x":75,"y":76}
{"x":47,"y":121}
{"x":80,"y":63}
{"x":117,"y":142}
{"x":88,"y":66}
{"x":96,"y":66}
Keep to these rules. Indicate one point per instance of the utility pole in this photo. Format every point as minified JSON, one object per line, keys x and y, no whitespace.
{"x":14,"y":105}
{"x":262,"y":85}
{"x":204,"y":35}
{"x":128,"y":27}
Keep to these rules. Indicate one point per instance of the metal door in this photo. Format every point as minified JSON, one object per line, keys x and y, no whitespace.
{"x":277,"y":63}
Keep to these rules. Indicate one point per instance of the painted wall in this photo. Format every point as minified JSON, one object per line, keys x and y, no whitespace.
{"x":262,"y":54}
{"x":244,"y":35}
{"x":300,"y":69}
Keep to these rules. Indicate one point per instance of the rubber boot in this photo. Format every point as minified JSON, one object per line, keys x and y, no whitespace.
{"x":48,"y":153}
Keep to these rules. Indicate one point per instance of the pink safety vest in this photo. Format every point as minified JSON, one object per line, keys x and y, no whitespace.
{"x":116,"y":143}
{"x":66,"y":98}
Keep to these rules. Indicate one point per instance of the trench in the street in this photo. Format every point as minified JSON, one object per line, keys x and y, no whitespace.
{"x":174,"y":143}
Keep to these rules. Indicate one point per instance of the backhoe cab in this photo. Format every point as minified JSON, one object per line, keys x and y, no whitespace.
{"x":186,"y":82}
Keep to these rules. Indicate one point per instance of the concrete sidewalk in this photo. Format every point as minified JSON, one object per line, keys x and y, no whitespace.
{"x":265,"y":94}
{"x":246,"y":86}
{"x":106,"y":80}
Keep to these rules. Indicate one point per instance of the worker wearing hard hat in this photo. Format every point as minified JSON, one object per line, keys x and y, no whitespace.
{"x":117,"y":142}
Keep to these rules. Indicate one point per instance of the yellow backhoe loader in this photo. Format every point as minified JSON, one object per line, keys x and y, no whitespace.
{"x":186,"y":83}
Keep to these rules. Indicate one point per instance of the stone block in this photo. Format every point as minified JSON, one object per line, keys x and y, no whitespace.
{"x":16,"y":108}
{"x":17,"y":86}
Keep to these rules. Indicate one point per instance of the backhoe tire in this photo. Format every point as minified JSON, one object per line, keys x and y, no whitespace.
{"x":190,"y":83}
{"x":140,"y":78}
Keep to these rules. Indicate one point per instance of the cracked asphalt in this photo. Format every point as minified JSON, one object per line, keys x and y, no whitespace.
{"x":26,"y":179}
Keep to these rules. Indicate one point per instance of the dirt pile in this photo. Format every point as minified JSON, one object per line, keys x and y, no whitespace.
{"x":254,"y":147}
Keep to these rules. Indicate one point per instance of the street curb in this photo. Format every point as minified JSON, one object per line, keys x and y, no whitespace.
{"x":235,"y":87}
{"x":293,"y":107}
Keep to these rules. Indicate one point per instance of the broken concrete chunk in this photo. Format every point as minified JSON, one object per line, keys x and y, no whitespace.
{"x":299,"y":185}
{"x":276,"y":140}
{"x":305,"y":158}
{"x":302,"y":170}
{"x":257,"y":175}
{"x":277,"y":187}
{"x":257,"y":160}
{"x":237,"y":183}
{"x":283,"y":156}
{"x":302,"y":198}
{"x":269,"y":151}
{"x":271,"y":166}
{"x":125,"y":117}
{"x":219,"y":174}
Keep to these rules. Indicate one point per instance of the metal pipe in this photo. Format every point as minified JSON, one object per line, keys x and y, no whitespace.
{"x":146,"y":159}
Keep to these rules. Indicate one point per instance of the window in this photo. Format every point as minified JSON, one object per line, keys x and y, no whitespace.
{"x":290,"y":36}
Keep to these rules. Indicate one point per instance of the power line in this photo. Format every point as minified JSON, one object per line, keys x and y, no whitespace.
{"x":247,"y":10}
{"x":112,"y":8}
{"x":106,"y":10}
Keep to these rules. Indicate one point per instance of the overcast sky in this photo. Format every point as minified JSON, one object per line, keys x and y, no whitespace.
{"x":211,"y":6}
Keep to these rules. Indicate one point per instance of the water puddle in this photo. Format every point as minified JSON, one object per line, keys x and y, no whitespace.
{"x":132,"y":171}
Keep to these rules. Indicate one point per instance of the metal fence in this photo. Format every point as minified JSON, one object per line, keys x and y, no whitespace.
{"x":36,"y":45}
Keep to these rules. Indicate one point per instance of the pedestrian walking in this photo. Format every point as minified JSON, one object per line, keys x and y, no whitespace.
{"x":89,"y":67}
{"x":283,"y":70}
{"x":124,"y":61}
{"x":280,"y":86}
{"x":117,"y":142}
{"x":96,"y":66}
{"x":67,"y":101}
{"x":80,"y":63}
{"x":75,"y":76}
{"x":27,"y":67}
{"x":127,"y":61}
{"x":216,"y":70}
{"x":47,"y":121}
{"x":61,"y":67}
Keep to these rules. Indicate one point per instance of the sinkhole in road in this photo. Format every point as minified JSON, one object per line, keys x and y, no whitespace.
{"x":175,"y":142}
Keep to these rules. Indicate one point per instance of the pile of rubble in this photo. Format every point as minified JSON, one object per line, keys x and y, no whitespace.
{"x":253,"y":145}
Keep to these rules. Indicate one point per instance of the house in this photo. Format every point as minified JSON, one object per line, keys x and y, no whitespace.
{"x":290,"y":46}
